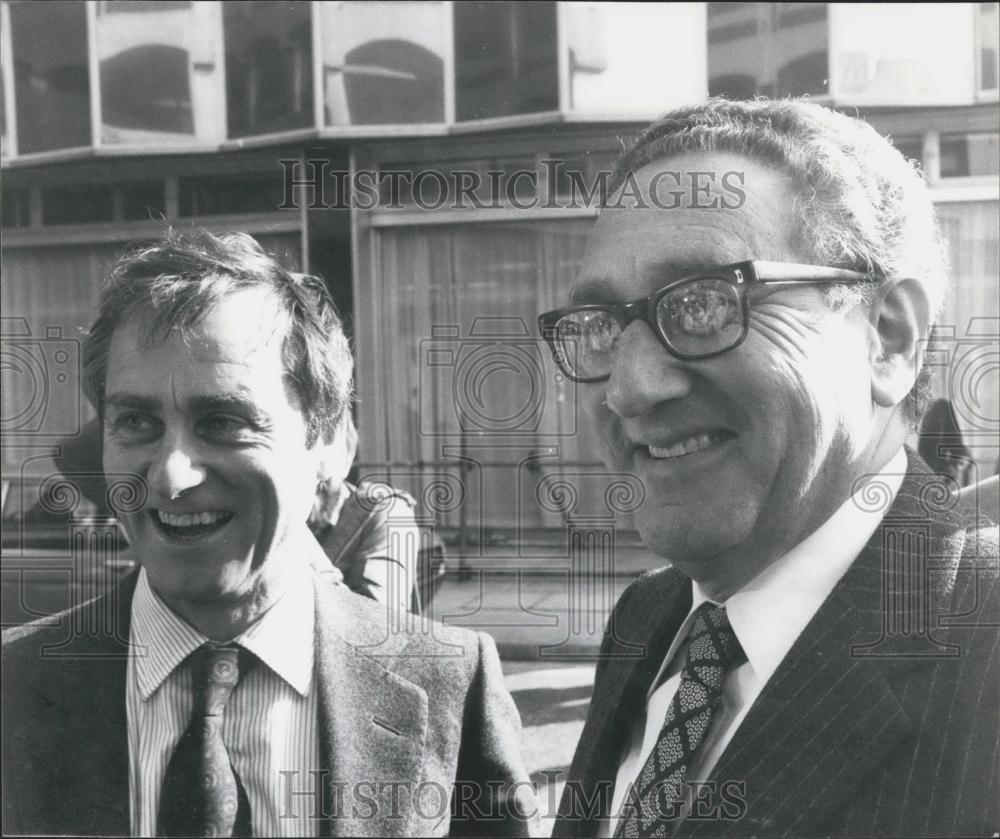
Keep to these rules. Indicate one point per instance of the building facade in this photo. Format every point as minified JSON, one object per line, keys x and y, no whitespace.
{"x":437,"y":163}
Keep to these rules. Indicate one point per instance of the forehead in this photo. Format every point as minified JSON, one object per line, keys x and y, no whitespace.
{"x":684,"y":214}
{"x":237,"y":338}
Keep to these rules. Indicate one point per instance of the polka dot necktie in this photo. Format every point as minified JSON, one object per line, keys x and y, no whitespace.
{"x":653,"y":804}
{"x":202,"y":795}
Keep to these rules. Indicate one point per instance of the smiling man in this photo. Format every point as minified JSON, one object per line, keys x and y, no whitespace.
{"x":233,"y":685}
{"x":820,"y":657}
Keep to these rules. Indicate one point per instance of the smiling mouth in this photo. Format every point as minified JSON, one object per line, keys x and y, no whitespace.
{"x":689,"y":445}
{"x":190,"y":525}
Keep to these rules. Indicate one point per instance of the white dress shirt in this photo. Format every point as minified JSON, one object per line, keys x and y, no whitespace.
{"x":768,"y":614}
{"x":270,"y":722}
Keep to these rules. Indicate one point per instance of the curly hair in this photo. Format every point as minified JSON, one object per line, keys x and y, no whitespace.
{"x":173,"y":283}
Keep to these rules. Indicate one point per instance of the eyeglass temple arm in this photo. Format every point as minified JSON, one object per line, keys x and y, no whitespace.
{"x":784,"y":272}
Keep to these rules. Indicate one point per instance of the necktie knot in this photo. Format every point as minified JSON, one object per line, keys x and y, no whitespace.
{"x":711,"y":640}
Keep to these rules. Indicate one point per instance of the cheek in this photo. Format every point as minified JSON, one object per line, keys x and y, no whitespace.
{"x":294,"y":480}
{"x":599,"y":419}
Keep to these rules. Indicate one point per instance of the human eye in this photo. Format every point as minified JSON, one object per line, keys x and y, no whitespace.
{"x":133,"y":426}
{"x":226,"y":428}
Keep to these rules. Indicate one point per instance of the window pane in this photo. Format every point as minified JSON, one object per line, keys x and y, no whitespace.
{"x":79,"y":204}
{"x":230,"y":194}
{"x":461,"y":367}
{"x":969,"y":154}
{"x":989,"y":46}
{"x":505,"y":59}
{"x":912,"y":148}
{"x":768,"y":49}
{"x":159,"y":81}
{"x":616,"y":49}
{"x":143,"y":200}
{"x":52,"y":82}
{"x":269,"y":85}
{"x":902,"y":53}
{"x":15,"y":207}
{"x":383,"y":63}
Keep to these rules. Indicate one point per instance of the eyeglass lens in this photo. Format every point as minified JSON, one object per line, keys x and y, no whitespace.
{"x":702,"y":317}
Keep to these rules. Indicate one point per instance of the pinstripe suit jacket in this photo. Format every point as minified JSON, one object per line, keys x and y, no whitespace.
{"x":883,"y":719}
{"x":421,"y":708}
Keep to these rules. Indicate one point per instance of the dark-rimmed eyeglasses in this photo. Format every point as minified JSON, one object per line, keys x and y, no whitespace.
{"x":694,"y":317}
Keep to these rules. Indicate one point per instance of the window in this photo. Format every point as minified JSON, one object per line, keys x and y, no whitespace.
{"x":142,"y":200}
{"x":77,"y":204}
{"x":912,"y":148}
{"x":51,"y":75}
{"x":462,"y":374}
{"x":269,"y":74}
{"x":383,"y":63}
{"x":159,"y":81}
{"x":15,"y":206}
{"x":616,"y":57}
{"x":988,"y":43}
{"x":229,"y":194}
{"x":505,"y":59}
{"x":970,"y":154}
{"x":896,"y":54}
{"x":769,"y":49}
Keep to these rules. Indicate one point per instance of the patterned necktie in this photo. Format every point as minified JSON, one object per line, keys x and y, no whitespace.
{"x":202,"y":795}
{"x":712,"y":649}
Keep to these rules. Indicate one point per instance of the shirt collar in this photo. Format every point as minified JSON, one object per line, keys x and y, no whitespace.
{"x":769,"y":613}
{"x":167,"y":639}
{"x":283,"y":638}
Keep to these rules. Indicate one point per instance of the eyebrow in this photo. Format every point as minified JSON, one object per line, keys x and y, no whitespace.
{"x":602,"y":291}
{"x":131,"y":400}
{"x":200,"y":404}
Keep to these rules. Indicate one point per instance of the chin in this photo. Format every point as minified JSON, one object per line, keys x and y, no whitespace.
{"x":686,"y":540}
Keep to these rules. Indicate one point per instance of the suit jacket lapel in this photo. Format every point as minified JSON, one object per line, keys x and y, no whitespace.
{"x":632,"y":655}
{"x":81,"y":678}
{"x":372,"y":725}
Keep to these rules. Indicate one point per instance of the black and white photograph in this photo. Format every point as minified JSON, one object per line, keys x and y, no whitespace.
{"x":500,"y":418}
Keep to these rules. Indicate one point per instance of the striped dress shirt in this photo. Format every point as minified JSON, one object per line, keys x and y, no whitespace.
{"x":270,"y":723}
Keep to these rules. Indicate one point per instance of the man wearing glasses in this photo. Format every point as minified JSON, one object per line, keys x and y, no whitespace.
{"x":820,"y":657}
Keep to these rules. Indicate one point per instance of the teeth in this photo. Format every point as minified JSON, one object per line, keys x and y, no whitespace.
{"x":692,"y":444}
{"x":191,"y":519}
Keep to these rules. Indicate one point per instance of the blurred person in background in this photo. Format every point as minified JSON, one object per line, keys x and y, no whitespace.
{"x":941,"y":444}
{"x":368,"y":532}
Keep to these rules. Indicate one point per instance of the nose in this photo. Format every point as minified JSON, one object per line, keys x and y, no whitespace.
{"x":175,"y":469}
{"x":644,"y":373}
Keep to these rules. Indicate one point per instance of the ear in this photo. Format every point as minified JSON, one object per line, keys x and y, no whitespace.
{"x":900,"y":318}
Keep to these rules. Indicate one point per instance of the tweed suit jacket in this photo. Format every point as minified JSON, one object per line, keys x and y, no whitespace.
{"x":883,"y":718}
{"x":406,"y":721}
